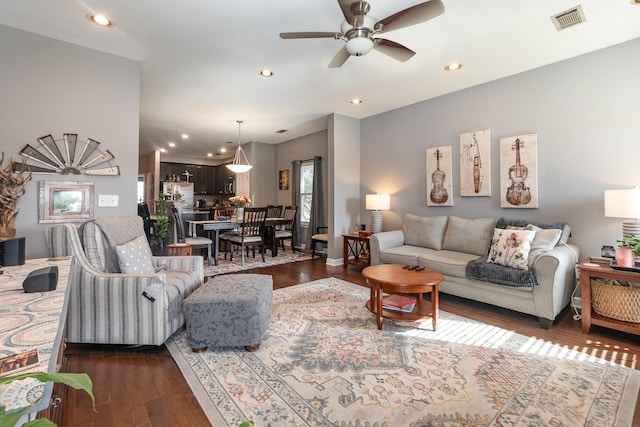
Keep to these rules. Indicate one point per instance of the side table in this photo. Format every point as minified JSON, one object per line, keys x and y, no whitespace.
{"x":591,"y":318}
{"x":353,"y":245}
{"x":179,"y":249}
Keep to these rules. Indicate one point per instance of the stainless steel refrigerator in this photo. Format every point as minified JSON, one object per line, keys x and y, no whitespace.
{"x":184,"y":188}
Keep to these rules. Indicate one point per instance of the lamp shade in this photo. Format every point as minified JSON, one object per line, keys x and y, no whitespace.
{"x":622,"y":203}
{"x":378,"y":202}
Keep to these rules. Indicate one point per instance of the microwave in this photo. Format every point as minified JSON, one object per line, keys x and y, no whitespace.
{"x":229,"y":186}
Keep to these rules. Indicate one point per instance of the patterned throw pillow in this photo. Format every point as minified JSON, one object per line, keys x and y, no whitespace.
{"x":134,"y":257}
{"x":511,"y":248}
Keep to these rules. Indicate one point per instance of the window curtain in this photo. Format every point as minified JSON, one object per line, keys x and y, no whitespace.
{"x":317,"y":203}
{"x":295,"y":198}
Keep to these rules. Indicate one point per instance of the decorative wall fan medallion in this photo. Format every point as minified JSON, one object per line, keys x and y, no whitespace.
{"x":69,"y":156}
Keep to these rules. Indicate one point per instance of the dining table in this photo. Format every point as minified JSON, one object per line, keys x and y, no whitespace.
{"x":215,"y":226}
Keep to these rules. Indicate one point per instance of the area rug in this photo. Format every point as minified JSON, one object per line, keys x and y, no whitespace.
{"x":325,"y":363}
{"x":227,"y":266}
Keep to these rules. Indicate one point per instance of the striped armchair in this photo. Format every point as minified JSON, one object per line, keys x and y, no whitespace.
{"x":110,"y":307}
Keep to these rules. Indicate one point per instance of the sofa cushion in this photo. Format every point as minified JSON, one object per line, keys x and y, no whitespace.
{"x":405,"y":255}
{"x":566,"y":230}
{"x":426,"y":232}
{"x":134,"y":257}
{"x":510,"y":247}
{"x":471,"y":236}
{"x":446,"y":262}
{"x":544,"y":241}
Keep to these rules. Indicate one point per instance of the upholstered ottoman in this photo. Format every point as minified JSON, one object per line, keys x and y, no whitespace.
{"x":229,"y":311}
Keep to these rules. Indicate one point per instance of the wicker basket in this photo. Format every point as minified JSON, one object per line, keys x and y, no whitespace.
{"x":617,"y":300}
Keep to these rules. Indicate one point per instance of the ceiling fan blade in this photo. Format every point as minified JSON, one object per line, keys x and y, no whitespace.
{"x":339,"y":58}
{"x":393,"y":49}
{"x":413,"y":15}
{"x":345,"y":6}
{"x":310,"y":35}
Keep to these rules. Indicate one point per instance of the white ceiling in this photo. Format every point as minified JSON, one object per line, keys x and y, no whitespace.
{"x":200,"y":59}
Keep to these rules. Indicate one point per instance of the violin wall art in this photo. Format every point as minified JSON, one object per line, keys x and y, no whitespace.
{"x":439,"y":176}
{"x":475,"y":163}
{"x":519,"y":171}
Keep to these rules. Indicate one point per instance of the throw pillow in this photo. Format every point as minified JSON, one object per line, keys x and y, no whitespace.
{"x":545,"y":240}
{"x":511,"y":248}
{"x":134,"y":257}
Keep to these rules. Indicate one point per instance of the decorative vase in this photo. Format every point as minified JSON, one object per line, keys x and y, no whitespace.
{"x":625,"y":257}
{"x":239,"y":213}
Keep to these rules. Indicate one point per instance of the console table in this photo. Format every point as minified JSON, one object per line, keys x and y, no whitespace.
{"x":31,"y":321}
{"x":591,"y":318}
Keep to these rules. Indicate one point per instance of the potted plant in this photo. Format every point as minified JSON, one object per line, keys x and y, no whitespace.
{"x":632,"y":242}
{"x":11,"y":189}
{"x":77,"y":381}
{"x":161,"y":224}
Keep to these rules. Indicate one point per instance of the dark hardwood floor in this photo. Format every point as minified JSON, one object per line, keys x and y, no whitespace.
{"x":142,"y":386}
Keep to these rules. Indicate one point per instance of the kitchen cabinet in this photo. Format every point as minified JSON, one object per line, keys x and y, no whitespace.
{"x":203,"y":177}
{"x":222,"y":175}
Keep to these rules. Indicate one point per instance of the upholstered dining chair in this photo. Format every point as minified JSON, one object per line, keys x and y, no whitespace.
{"x":319,"y":238}
{"x":288,"y":228}
{"x":250,"y":233}
{"x":196,"y":242}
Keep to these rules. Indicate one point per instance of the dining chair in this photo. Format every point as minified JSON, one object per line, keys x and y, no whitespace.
{"x":223,"y":211}
{"x":196,"y":242}
{"x":250,"y":233}
{"x":319,"y":238}
{"x":289,"y":227}
{"x":147,"y":222}
{"x":274,"y":211}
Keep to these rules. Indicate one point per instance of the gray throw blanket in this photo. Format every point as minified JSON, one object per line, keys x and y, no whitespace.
{"x":480,"y":269}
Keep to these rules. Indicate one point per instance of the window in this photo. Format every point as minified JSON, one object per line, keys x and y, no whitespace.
{"x":306,"y":191}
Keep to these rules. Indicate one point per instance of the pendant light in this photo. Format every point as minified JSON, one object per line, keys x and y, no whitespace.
{"x":238,"y":166}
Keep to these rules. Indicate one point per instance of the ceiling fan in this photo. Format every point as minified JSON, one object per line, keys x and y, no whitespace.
{"x":358,"y":30}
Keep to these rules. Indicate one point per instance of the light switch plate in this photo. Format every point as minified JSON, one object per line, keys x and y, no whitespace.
{"x":108,"y":200}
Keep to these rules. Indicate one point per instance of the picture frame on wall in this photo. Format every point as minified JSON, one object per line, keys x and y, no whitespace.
{"x":519,"y":171}
{"x":283,"y":179}
{"x":64,"y":201}
{"x":439,"y":176}
{"x":475,"y":163}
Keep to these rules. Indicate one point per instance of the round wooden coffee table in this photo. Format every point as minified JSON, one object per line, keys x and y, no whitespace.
{"x":393,"y":279}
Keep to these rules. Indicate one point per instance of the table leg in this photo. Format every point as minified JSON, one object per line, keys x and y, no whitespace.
{"x":216,"y":250}
{"x":434,"y":307}
{"x":379,"y":305}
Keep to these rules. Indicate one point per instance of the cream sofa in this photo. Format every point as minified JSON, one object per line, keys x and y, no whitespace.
{"x":458,"y":248}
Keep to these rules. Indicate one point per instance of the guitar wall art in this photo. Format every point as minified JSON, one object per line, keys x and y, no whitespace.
{"x":519,"y":171}
{"x":439,"y":176}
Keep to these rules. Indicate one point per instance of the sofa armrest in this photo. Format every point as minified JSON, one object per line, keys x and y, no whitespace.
{"x":381,"y":241}
{"x":556,"y":269}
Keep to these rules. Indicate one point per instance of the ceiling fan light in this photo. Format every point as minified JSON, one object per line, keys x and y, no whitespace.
{"x":359,"y":46}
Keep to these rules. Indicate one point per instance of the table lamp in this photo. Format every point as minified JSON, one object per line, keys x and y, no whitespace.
{"x":624,"y":204}
{"x":377,"y":203}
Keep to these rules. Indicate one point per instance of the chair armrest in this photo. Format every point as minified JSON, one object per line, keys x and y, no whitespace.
{"x":381,"y":241}
{"x":185,"y":263}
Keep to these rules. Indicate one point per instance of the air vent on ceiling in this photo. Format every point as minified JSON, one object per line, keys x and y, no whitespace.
{"x":282,"y":131}
{"x":568,"y":18}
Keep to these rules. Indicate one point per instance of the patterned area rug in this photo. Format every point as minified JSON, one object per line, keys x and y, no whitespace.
{"x":325,"y":363}
{"x":226,"y":266}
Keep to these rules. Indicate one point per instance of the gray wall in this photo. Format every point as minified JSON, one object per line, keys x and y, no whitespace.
{"x":52,"y":87}
{"x":585,"y":112}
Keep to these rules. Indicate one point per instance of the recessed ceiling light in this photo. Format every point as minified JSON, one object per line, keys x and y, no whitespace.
{"x":185,"y":136}
{"x":266,"y":73}
{"x":162,"y":150}
{"x":101,"y":20}
{"x":356,"y":101}
{"x":172,"y":144}
{"x":209,"y":154}
{"x":223,"y":150}
{"x":453,"y":66}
